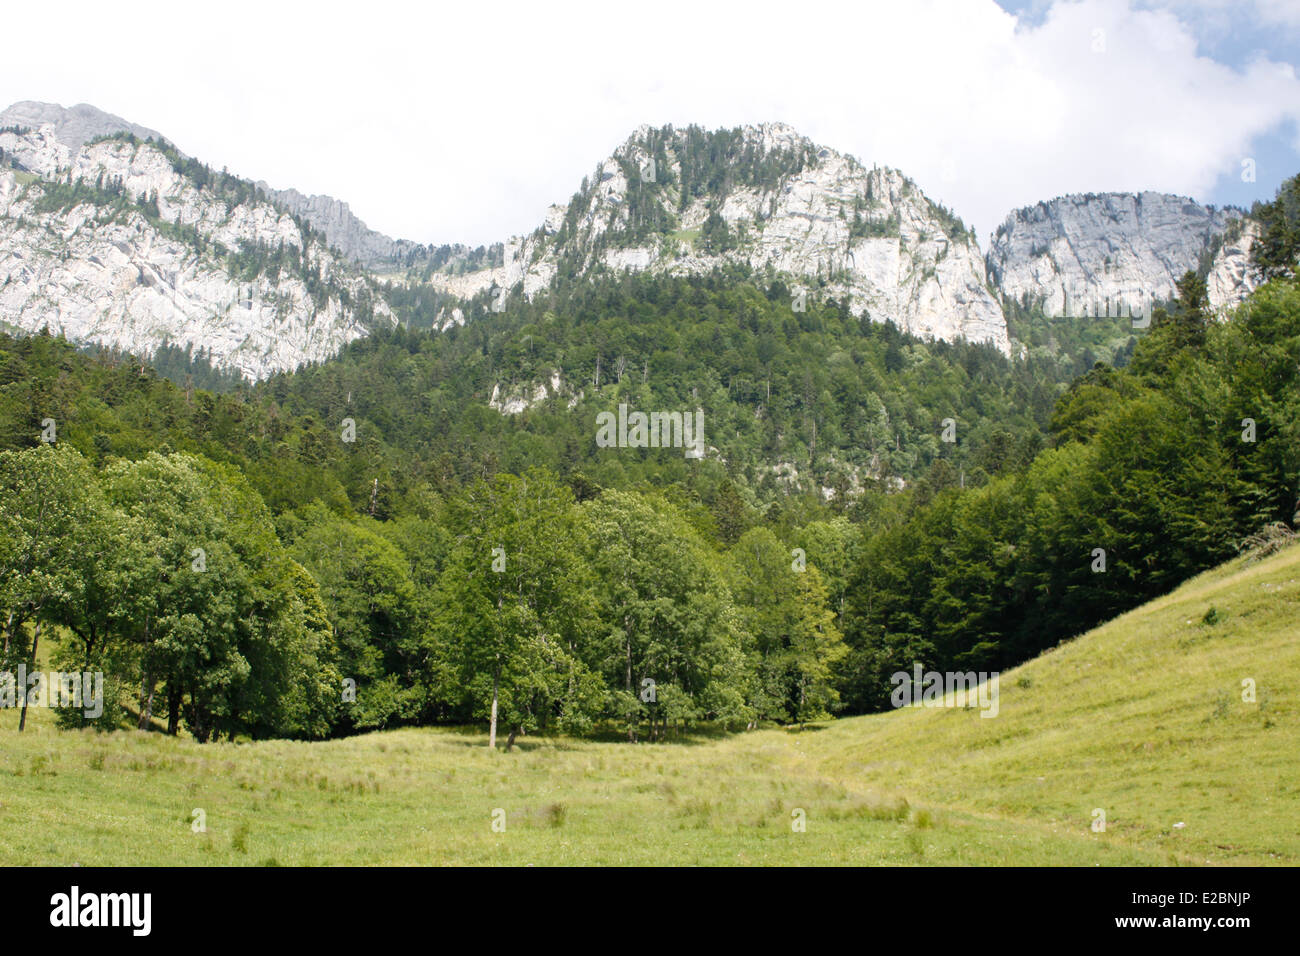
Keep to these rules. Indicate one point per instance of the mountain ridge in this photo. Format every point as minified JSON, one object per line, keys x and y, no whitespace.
{"x":130,"y":245}
{"x":756,"y":200}
{"x":74,"y":125}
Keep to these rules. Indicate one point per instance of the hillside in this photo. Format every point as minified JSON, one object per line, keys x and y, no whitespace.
{"x":383,"y":476}
{"x":125,"y":243}
{"x":1142,"y":718}
{"x":765,"y":200}
{"x":813,"y":404}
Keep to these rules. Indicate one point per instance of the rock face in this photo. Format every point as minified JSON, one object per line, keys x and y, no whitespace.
{"x":1232,"y":277}
{"x":343,"y":230}
{"x":1117,"y":253}
{"x":77,"y":125}
{"x":513,"y":400}
{"x":73,"y":126}
{"x":129,"y":245}
{"x":770,"y":201}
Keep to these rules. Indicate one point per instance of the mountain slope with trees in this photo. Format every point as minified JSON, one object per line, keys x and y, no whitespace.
{"x":369,"y":543}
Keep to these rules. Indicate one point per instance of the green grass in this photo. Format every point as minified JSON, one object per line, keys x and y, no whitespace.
{"x":1142,"y":718}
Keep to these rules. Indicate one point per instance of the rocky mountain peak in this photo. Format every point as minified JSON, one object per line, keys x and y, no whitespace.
{"x":120,"y":241}
{"x":130,"y":245}
{"x":73,"y":126}
{"x":768,"y":200}
{"x":344,"y":230}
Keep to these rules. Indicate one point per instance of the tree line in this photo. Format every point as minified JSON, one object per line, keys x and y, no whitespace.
{"x":512,"y":603}
{"x":539,"y":602}
{"x":1156,"y":472}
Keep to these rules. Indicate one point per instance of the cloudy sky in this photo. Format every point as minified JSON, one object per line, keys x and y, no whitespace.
{"x":461,"y":123}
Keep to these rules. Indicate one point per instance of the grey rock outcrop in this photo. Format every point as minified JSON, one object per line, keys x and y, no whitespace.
{"x":343,"y":230}
{"x":758,"y":199}
{"x":135,"y":255}
{"x":1117,"y":253}
{"x":72,"y":125}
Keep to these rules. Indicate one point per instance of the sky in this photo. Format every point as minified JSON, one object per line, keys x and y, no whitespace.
{"x":462,"y":123}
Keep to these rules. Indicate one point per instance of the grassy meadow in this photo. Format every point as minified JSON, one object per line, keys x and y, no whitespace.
{"x":1143,"y":718}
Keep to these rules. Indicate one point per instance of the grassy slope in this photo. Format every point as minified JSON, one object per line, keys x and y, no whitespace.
{"x":1142,"y":718}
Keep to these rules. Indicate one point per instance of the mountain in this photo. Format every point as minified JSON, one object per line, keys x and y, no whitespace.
{"x":74,"y":125}
{"x":112,"y":236}
{"x":762,"y":200}
{"x":344,"y":231}
{"x":126,"y":243}
{"x":1082,"y":254}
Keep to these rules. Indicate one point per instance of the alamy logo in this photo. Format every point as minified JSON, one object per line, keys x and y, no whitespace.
{"x":656,"y":430}
{"x":55,"y":689}
{"x":951,"y":689}
{"x":103,"y":909}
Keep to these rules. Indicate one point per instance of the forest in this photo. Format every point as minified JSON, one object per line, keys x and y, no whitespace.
{"x":368,"y":543}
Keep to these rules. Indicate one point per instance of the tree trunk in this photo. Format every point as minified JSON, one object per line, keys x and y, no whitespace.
{"x":146,"y":683}
{"x":91,"y":641}
{"x":632,"y":721}
{"x":146,"y":702}
{"x":36,"y":640}
{"x":492,"y":726}
{"x":173,"y":710}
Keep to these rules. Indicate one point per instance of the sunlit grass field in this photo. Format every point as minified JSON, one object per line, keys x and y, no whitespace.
{"x":1142,"y":719}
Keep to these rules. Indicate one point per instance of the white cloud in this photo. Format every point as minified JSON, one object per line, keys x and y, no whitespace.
{"x":462,"y":124}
